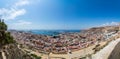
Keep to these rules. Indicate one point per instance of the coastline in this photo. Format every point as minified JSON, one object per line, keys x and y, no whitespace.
{"x":69,"y":46}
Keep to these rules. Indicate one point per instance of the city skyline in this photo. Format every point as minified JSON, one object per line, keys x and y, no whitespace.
{"x":59,"y":14}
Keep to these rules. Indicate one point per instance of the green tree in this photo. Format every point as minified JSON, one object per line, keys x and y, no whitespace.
{"x":5,"y":37}
{"x":3,"y":26}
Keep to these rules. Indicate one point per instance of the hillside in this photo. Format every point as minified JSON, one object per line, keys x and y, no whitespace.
{"x":8,"y":47}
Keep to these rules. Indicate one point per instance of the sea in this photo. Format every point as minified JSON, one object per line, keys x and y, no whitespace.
{"x":51,"y":32}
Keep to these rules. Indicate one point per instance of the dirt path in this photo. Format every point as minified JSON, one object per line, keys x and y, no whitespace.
{"x":76,"y":54}
{"x":3,"y":55}
{"x":33,"y":52}
{"x":116,"y":52}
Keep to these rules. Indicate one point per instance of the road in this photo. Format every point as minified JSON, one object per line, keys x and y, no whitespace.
{"x":116,"y":52}
{"x":106,"y":51}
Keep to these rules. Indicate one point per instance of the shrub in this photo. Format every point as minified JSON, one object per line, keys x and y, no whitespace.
{"x":35,"y":56}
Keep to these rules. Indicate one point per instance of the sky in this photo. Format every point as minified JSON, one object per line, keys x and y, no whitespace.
{"x":59,"y":14}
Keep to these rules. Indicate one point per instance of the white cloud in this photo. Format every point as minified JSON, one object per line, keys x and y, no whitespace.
{"x":110,"y":24}
{"x":12,"y":13}
{"x":22,"y":23}
{"x":14,"y":10}
{"x":21,"y":3}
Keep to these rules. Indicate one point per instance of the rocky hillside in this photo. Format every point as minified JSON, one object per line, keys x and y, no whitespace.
{"x":102,"y":29}
{"x":11,"y":51}
{"x":8,"y":47}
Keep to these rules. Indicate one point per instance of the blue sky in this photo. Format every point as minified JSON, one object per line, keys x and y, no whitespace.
{"x":59,"y":14}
